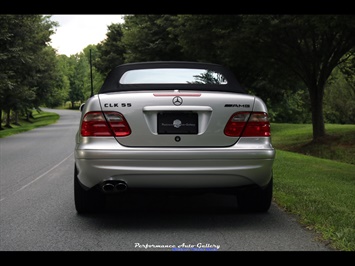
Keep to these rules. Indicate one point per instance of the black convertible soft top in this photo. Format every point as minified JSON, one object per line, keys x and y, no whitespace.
{"x":112,"y":82}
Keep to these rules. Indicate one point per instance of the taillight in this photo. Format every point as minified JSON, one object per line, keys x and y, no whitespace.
{"x":118,"y":124}
{"x":236,"y":124}
{"x":103,"y":124}
{"x":248,"y":124}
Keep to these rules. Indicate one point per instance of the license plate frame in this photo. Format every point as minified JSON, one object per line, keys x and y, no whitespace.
{"x":177,"y":123}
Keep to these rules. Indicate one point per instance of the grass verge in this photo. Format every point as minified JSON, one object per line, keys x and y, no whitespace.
{"x":319,"y":191}
{"x":338,"y":145}
{"x":40,"y":119}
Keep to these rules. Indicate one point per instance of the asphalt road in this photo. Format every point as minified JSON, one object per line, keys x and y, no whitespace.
{"x":37,"y":209}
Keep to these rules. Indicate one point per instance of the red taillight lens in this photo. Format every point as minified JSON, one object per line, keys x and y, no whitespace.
{"x":257,"y":126}
{"x":103,"y":124}
{"x":236,"y":124}
{"x":118,"y":124}
{"x":248,"y":124}
{"x":94,"y":124}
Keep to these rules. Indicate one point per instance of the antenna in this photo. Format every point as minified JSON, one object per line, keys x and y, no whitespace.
{"x":92,"y":86}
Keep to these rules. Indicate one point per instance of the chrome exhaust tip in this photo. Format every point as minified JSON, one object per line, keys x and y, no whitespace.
{"x":112,"y":186}
{"x":121,"y":186}
{"x":108,"y":187}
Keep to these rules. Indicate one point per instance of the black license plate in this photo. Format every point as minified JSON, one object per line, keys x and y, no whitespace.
{"x":177,"y":123}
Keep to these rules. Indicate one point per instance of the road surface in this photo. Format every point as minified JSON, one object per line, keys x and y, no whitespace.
{"x":37,"y":210}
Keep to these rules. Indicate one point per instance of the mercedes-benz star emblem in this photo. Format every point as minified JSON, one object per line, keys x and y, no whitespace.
{"x":177,"y":100}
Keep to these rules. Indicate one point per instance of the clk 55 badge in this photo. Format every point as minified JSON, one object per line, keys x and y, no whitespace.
{"x":118,"y":105}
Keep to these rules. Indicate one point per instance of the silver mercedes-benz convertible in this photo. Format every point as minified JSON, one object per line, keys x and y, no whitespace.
{"x":173,"y":126}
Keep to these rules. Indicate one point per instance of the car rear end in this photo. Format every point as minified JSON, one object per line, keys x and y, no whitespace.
{"x":202,"y":135}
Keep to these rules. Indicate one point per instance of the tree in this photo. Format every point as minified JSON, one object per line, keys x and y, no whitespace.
{"x":147,"y":38}
{"x":203,"y":37}
{"x":78,"y":71}
{"x":273,"y":54}
{"x":6,"y":73}
{"x":339,"y":98}
{"x":226,"y":40}
{"x":110,"y":51}
{"x":59,"y":90}
{"x":22,"y":53}
{"x":309,"y":47}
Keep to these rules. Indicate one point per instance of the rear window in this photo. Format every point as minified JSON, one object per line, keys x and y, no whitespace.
{"x":172,"y":76}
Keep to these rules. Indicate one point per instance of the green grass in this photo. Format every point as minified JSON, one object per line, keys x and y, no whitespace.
{"x":338,"y":145}
{"x":40,"y":119}
{"x":321,"y":192}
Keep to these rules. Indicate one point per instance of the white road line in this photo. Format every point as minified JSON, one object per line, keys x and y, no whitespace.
{"x":42,"y":175}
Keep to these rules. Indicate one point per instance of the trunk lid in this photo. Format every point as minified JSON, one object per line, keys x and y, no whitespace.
{"x":176,"y":118}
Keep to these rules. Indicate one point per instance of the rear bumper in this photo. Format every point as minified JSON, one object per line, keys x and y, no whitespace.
{"x":227,"y":167}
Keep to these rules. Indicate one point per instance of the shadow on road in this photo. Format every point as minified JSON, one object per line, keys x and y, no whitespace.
{"x":148,"y":211}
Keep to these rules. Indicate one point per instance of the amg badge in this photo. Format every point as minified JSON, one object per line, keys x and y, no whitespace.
{"x":237,"y":105}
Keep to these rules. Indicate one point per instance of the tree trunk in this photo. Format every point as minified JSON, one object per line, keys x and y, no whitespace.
{"x":316,"y":96}
{"x":28,"y":116}
{"x":8,"y":118}
{"x":16,"y":118}
{"x":1,"y":128}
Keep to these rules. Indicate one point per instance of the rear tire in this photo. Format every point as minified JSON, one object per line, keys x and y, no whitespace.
{"x":87,"y":201}
{"x":255,"y":200}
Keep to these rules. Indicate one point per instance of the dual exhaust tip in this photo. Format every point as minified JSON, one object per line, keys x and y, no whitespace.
{"x":113,"y":186}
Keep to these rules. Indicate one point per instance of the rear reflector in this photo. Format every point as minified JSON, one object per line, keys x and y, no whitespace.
{"x":104,"y":124}
{"x":248,"y":124}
